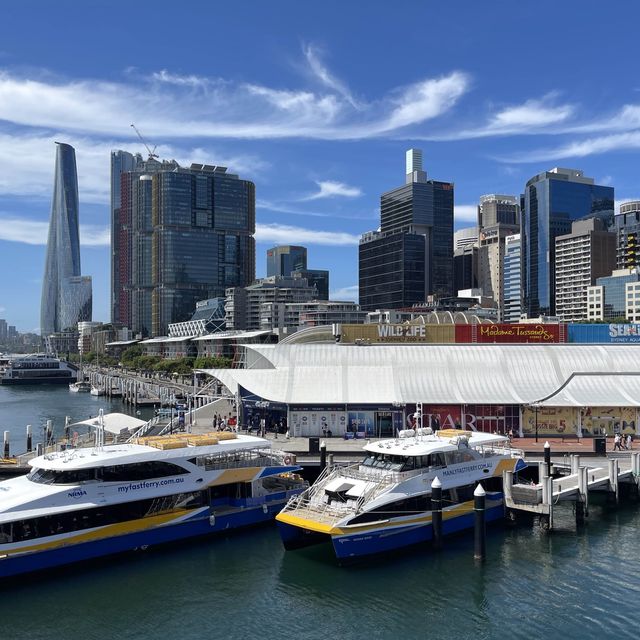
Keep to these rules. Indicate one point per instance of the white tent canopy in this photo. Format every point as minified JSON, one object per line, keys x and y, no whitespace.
{"x":115,"y":423}
{"x":435,"y":373}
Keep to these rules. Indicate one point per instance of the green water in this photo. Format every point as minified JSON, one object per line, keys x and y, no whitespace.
{"x":569,"y":584}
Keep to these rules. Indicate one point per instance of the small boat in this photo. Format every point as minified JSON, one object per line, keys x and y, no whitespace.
{"x":80,"y":387}
{"x":85,"y":503}
{"x":383,"y":503}
{"x":97,"y":391}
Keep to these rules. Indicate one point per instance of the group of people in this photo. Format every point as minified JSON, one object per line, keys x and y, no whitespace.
{"x":622,"y":442}
{"x":221,"y":424}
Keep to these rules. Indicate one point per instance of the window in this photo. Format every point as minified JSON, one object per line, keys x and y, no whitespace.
{"x":140,"y":471}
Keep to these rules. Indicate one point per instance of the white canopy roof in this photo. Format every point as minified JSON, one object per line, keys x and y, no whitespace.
{"x":438,"y":374}
{"x":114,"y":423}
{"x":597,"y":390}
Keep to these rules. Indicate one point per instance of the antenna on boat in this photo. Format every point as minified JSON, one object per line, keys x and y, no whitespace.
{"x":100,"y":431}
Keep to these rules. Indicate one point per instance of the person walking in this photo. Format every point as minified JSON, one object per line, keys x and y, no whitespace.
{"x":629,"y":442}
{"x":616,"y":442}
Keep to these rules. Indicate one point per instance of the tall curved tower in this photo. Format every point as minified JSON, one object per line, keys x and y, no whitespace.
{"x":66,"y":296}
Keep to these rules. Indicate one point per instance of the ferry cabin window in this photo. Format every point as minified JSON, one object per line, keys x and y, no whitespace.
{"x":456,"y":457}
{"x":74,"y":476}
{"x":408,"y":506}
{"x":98,"y":516}
{"x":140,"y":471}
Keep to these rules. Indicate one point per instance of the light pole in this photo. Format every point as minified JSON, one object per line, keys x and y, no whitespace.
{"x":263,"y":405}
{"x":399,"y":408}
{"x":535,"y":406}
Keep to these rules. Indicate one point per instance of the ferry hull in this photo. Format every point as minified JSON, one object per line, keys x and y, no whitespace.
{"x":201,"y":526}
{"x":357,"y":546}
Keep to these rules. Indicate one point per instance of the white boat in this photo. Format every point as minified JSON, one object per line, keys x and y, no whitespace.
{"x":97,"y":391}
{"x":384,"y":502}
{"x":80,"y":387}
{"x":37,"y":368}
{"x":85,"y":503}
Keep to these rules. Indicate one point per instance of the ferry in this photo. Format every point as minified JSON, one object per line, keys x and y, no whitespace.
{"x":85,"y":503}
{"x":37,"y":368}
{"x":383,"y":503}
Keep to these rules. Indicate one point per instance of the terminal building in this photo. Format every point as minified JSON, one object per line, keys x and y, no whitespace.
{"x":373,"y":390}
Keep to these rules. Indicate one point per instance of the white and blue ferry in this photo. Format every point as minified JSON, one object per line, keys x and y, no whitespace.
{"x":383,"y":503}
{"x":85,"y":503}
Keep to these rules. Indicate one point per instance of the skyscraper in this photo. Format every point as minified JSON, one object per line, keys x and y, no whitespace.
{"x":553,"y":200}
{"x":512,"y":291}
{"x":65,"y":300}
{"x":184,"y":234}
{"x":411,"y":257}
{"x":628,"y":229}
{"x":284,"y":259}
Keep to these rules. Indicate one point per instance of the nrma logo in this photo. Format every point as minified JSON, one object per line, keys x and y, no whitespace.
{"x":77,"y":493}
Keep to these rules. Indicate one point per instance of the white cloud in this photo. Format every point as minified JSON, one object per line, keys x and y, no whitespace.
{"x":330,"y":189}
{"x":292,"y":210}
{"x":465,"y":213}
{"x":174,"y":106}
{"x":35,"y":232}
{"x":580,"y":148}
{"x":532,"y":113}
{"x":312,"y":55}
{"x":345,"y":293}
{"x":284,"y":234}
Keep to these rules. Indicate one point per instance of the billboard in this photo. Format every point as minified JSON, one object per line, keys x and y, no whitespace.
{"x":604,"y":333}
{"x":398,"y":333}
{"x":511,"y":333}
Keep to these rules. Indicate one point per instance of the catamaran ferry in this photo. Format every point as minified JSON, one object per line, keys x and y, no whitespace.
{"x":384,"y":503}
{"x":85,"y":503}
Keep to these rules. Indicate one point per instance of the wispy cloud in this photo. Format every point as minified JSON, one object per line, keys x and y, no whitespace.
{"x":312,"y":54}
{"x":34,"y":232}
{"x":175,"y":108}
{"x":579,"y":148}
{"x":294,"y":210}
{"x":331,"y":189}
{"x":345,"y":293}
{"x":282,"y":234}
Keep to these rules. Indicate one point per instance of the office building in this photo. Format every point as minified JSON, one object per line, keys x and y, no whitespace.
{"x":243,"y":305}
{"x":411,"y":257}
{"x":627,"y":225}
{"x":613,"y":297}
{"x":66,"y":295}
{"x":291,"y":316}
{"x":465,"y":268}
{"x":287,"y":260}
{"x":282,"y":260}
{"x":3,"y":329}
{"x":511,"y":273}
{"x":466,"y":237}
{"x":582,"y":256}
{"x":498,"y":209}
{"x":553,"y":200}
{"x":184,"y":234}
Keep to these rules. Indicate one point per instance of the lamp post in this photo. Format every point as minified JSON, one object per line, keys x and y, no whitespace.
{"x":535,"y":406}
{"x":399,"y":408}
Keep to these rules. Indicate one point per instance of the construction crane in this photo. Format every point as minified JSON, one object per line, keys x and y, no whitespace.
{"x":151,"y":151}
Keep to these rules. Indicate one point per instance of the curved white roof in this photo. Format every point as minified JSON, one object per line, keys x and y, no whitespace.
{"x":434,"y":373}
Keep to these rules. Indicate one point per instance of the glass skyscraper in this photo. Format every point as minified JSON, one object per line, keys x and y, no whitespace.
{"x":411,"y":257}
{"x":512,"y":305}
{"x":284,"y":259}
{"x":66,"y":295}
{"x":552,"y":201}
{"x":184,"y":234}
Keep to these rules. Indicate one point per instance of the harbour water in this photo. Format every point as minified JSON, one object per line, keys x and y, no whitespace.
{"x":569,"y":584}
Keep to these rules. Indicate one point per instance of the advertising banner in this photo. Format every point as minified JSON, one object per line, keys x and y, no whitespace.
{"x":398,"y":333}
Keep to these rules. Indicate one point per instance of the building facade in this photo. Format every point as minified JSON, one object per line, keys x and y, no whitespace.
{"x":247,"y":308}
{"x":613,"y":297}
{"x":184,"y":234}
{"x":553,"y":200}
{"x":582,"y":256}
{"x":627,"y":225}
{"x":511,"y":273}
{"x":498,"y":209}
{"x":66,"y":295}
{"x":411,"y":257}
{"x":284,"y":259}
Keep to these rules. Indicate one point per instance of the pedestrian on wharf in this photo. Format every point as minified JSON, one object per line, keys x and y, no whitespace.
{"x":616,"y":442}
{"x":629,"y":442}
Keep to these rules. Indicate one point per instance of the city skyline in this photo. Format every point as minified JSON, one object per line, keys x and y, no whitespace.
{"x":320,"y":126}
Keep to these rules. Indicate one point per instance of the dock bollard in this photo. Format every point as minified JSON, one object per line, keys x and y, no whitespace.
{"x":330,"y":459}
{"x":6,"y":444}
{"x":436,"y":512}
{"x":29,"y":439}
{"x":480,"y":537}
{"x":547,"y":457}
{"x":323,"y":455}
{"x":49,"y":435}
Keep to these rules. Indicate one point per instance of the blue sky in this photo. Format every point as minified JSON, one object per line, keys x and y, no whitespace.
{"x":314,"y":102}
